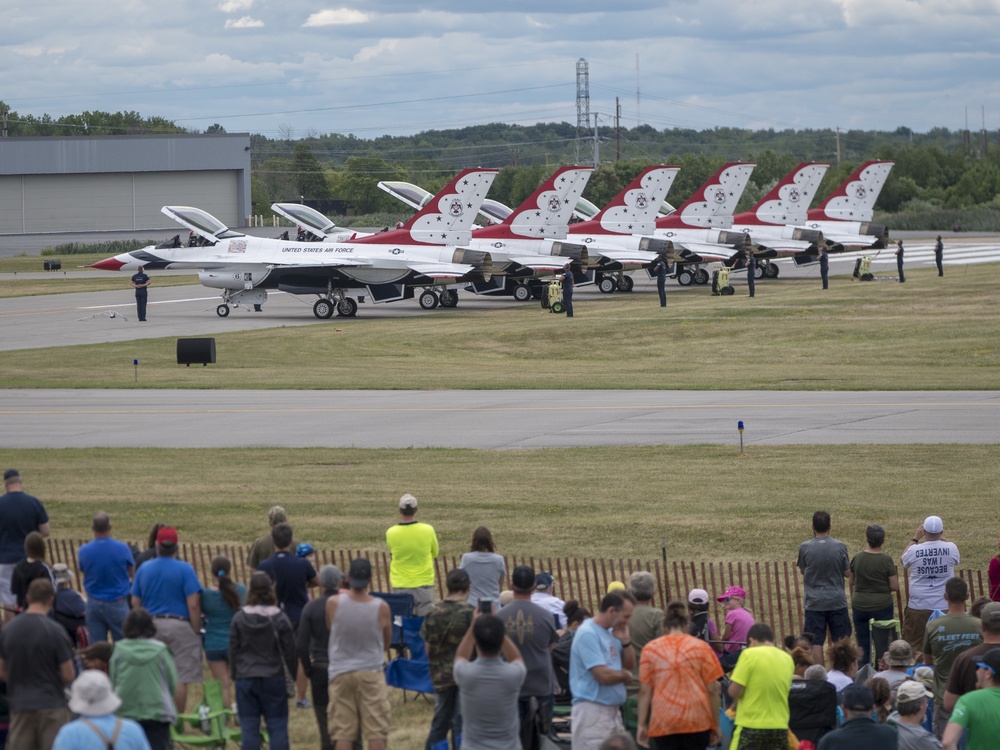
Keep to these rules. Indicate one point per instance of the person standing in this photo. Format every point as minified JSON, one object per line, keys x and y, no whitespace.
{"x":824,"y":564}
{"x":978,"y":711}
{"x":600,"y":669}
{"x":660,"y":271}
{"x":20,"y":514}
{"x":443,"y":630}
{"x":413,"y":546}
{"x":931,"y":562}
{"x":99,"y":727}
{"x":646,"y":623}
{"x":824,"y":267}
{"x":533,"y":631}
{"x":679,"y":692}
{"x":859,"y":731}
{"x":487,"y":570}
{"x":360,"y":633}
{"x":219,"y":604}
{"x":36,"y":662}
{"x":312,"y":640}
{"x":899,"y":260}
{"x":872,"y":580}
{"x":142,"y":672}
{"x":761,"y":682}
{"x":263,"y":546}
{"x":993,"y":573}
{"x":944,"y":639}
{"x":567,"y":289}
{"x":140,"y":282}
{"x":488,"y":687}
{"x":107,"y":565}
{"x":548,"y":601}
{"x":751,"y":272}
{"x":169,"y":589}
{"x":939,"y":255}
{"x":261,"y":649}
{"x":962,"y":676}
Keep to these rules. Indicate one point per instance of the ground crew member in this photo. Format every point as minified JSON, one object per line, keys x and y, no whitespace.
{"x":939,"y":255}
{"x":660,"y":269}
{"x":751,"y":264}
{"x":567,"y":289}
{"x":140,"y":281}
{"x":824,"y":267}
{"x":899,"y":260}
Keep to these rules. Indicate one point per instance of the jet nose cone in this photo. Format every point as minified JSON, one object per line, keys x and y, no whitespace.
{"x":108,"y":264}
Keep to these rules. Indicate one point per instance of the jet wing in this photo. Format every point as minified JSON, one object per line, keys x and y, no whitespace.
{"x":200,"y":222}
{"x":307,"y":217}
{"x":702,"y":252}
{"x":540,"y":262}
{"x":633,"y":257}
{"x":442,"y":270}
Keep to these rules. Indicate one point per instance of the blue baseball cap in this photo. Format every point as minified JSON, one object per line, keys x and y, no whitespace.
{"x":304,"y":550}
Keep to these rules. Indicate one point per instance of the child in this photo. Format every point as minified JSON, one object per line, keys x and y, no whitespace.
{"x":32,"y":567}
{"x":738,"y":624}
{"x":69,"y":607}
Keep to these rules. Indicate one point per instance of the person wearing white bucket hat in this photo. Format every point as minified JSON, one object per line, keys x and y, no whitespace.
{"x":92,"y":698}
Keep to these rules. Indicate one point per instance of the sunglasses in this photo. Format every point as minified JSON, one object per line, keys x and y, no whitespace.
{"x":986,"y":666}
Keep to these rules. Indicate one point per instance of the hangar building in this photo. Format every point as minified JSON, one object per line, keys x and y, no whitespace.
{"x":119,"y":183}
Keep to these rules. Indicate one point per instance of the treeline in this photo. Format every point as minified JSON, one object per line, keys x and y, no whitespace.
{"x":940,"y":175}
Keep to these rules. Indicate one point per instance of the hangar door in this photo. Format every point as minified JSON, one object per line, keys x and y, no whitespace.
{"x":118,"y":201}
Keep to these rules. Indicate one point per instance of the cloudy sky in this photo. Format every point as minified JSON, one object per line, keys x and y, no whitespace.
{"x":380,"y":67}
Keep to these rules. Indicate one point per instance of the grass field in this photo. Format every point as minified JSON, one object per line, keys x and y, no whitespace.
{"x":929,"y":333}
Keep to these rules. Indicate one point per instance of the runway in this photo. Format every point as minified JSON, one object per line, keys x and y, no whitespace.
{"x":490,"y":420}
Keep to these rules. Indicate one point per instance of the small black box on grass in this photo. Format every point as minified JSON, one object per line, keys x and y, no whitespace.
{"x":195,"y":352}
{"x":52,"y":265}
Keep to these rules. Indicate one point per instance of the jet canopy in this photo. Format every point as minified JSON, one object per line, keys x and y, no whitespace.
{"x":200,"y":222}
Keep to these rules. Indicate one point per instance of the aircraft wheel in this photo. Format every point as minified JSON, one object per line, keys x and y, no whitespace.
{"x":323,"y":309}
{"x":428,"y":300}
{"x":449,"y":298}
{"x":522,"y":292}
{"x":867,"y":277}
{"x":607,"y":285}
{"x":701,"y":276}
{"x":558,"y":307}
{"x":772,"y":271}
{"x":759,"y":271}
{"x":685,"y":278}
{"x":728,"y":291}
{"x":629,"y":284}
{"x":222,"y":311}
{"x":347,"y":308}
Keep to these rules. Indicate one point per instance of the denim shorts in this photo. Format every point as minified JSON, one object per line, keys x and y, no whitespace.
{"x":217,"y":654}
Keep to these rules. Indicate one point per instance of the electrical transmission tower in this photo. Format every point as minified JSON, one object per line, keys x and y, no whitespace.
{"x":582,"y":102}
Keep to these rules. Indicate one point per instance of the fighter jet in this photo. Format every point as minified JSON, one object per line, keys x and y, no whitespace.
{"x":427,"y":252}
{"x":845,"y":216}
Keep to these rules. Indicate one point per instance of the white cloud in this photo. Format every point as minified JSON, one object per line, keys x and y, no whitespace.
{"x":337,"y":17}
{"x":235,"y":6}
{"x":246,"y":22}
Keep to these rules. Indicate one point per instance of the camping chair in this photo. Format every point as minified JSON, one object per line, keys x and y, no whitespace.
{"x":209,"y":721}
{"x":883,"y":632}
{"x":412,"y":672}
{"x":400,"y":607}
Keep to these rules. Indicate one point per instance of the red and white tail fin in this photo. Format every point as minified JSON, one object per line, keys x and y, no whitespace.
{"x":855,"y":199}
{"x":447,"y":218}
{"x":714,"y":203}
{"x":633,"y":210}
{"x":547,"y":212}
{"x":788,"y":202}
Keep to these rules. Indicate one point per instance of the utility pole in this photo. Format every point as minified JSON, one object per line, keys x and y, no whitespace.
{"x":597,"y":147}
{"x":582,"y":102}
{"x":838,"y":145}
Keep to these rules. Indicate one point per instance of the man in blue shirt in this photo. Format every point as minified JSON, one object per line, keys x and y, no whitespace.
{"x":140,"y":282}
{"x":170,"y":591}
{"x":107,"y":565}
{"x":600,"y":666}
{"x":20,"y":514}
{"x":567,"y":289}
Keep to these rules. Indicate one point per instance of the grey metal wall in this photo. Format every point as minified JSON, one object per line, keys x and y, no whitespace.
{"x":120,"y":182}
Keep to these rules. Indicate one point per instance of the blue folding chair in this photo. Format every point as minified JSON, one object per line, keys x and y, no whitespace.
{"x":411,"y":672}
{"x":400,"y":607}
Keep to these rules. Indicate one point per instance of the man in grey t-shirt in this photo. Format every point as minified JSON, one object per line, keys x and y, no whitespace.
{"x":824,"y":563}
{"x":488,"y":687}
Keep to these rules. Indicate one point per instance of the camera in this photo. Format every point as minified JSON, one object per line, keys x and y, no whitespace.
{"x":486,"y":606}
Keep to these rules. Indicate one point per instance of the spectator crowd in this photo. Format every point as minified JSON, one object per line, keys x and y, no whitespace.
{"x":509,"y":668}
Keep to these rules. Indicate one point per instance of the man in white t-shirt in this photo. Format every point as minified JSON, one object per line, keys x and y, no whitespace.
{"x":931,"y":562}
{"x":545,"y":599}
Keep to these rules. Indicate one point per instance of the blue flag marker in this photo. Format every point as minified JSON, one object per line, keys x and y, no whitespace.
{"x":135,"y":365}
{"x":739,"y":426}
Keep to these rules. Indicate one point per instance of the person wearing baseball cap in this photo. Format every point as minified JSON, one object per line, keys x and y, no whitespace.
{"x":911,"y":706}
{"x":20,"y":514}
{"x":962,"y":678}
{"x":931,"y":562}
{"x":170,"y":591}
{"x":702,"y":626}
{"x":978,"y":711}
{"x":544,"y":598}
{"x":859,"y":731}
{"x":413,"y":546}
{"x":738,"y":624}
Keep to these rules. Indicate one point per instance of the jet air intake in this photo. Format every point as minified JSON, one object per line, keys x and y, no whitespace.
{"x":570,"y":250}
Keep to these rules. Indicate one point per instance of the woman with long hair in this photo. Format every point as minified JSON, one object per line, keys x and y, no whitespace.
{"x":261,"y":653}
{"x":485,"y":567}
{"x":143,"y":675}
{"x":219,"y":604}
{"x":679,"y":690}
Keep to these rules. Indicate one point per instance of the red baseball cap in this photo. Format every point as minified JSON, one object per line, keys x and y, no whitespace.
{"x":166,"y":536}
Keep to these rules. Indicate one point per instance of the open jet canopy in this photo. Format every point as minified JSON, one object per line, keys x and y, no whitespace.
{"x":416,"y":197}
{"x":200,"y":222}
{"x":307,"y":217}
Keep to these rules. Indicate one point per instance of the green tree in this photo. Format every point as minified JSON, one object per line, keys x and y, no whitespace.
{"x":308,"y":175}
{"x":358,"y":183}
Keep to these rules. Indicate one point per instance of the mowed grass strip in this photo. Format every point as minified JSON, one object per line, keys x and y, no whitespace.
{"x":58,"y":284}
{"x":581,"y":502}
{"x":930,"y":333}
